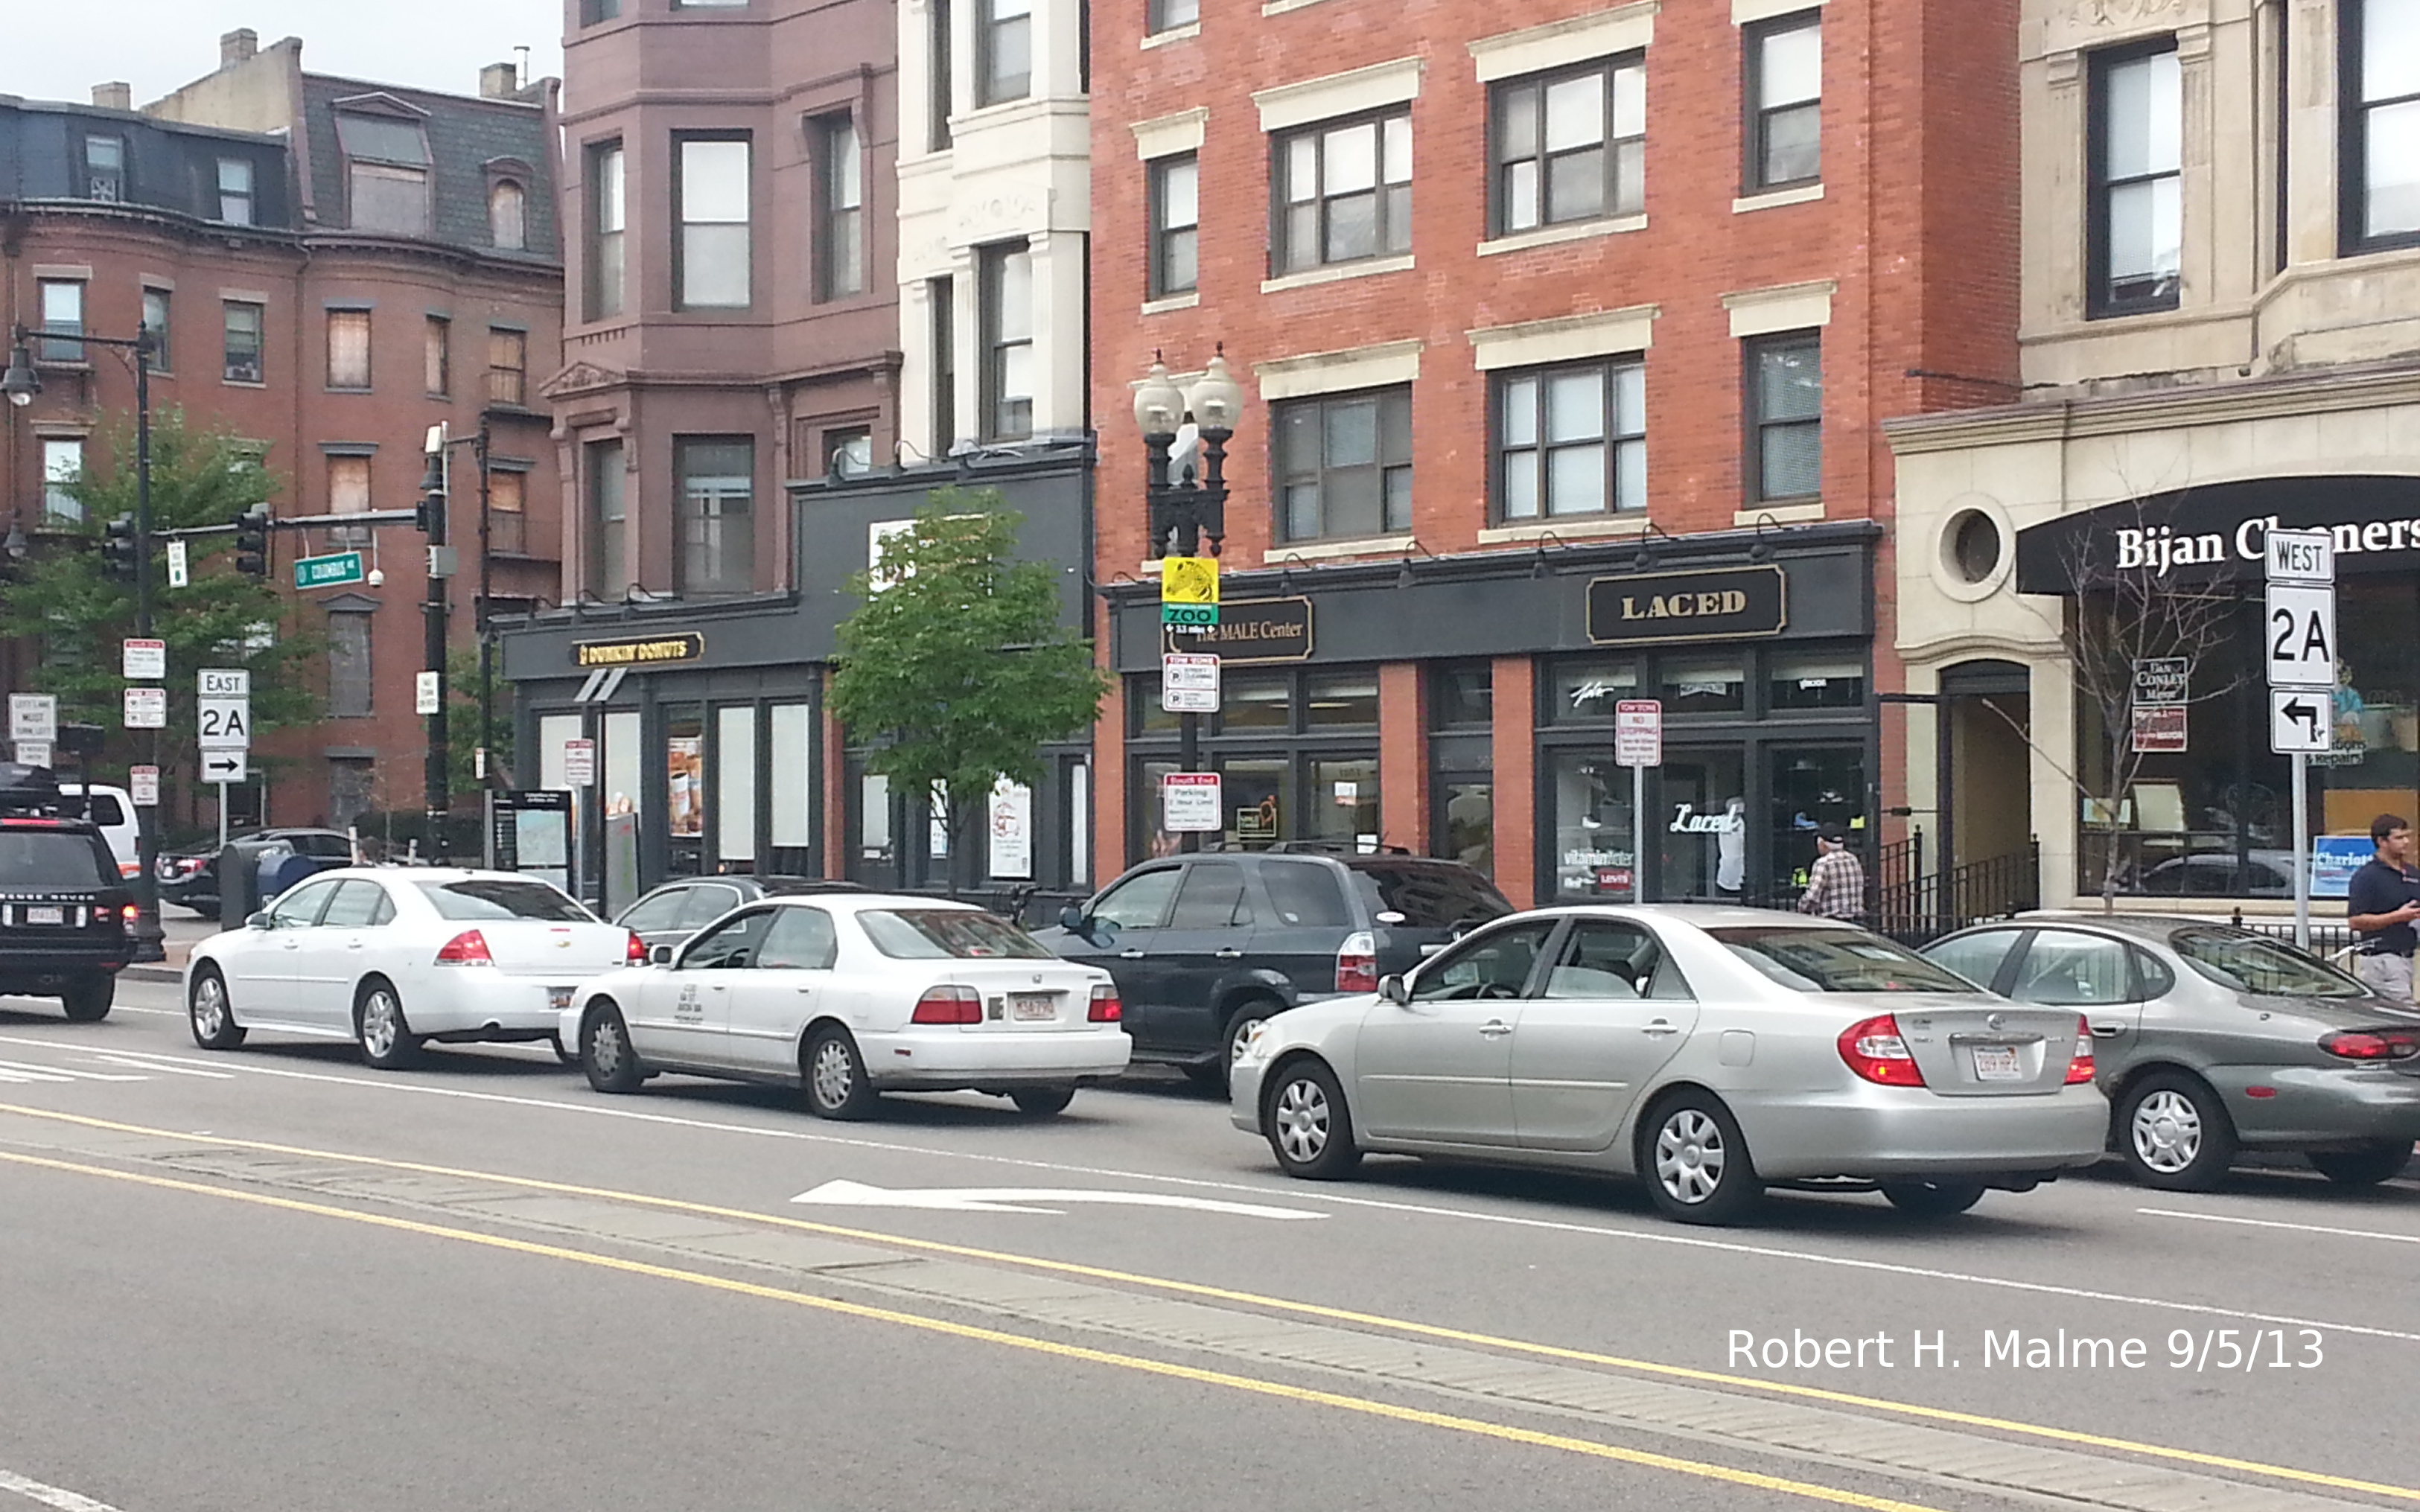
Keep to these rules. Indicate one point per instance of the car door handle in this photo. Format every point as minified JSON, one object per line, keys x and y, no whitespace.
{"x":1129,"y":955}
{"x":1495,"y":1028}
{"x":355,"y":944}
{"x":2107,"y":1031}
{"x":1660,"y":1026}
{"x":1230,"y":955}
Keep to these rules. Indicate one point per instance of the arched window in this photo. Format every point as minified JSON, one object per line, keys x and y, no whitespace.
{"x":507,"y":226}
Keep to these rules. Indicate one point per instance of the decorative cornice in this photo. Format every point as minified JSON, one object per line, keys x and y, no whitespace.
{"x":2119,"y":414}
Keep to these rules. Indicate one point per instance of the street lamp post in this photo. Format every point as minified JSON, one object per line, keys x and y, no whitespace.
{"x":1185,"y":508}
{"x":20,"y":383}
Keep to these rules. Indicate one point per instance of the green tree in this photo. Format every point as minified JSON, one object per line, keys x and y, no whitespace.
{"x":61,"y":600}
{"x":462,"y":726}
{"x":956,"y":663}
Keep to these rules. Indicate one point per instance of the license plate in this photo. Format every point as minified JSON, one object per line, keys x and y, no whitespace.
{"x":1997,"y":1063}
{"x":558,"y":998}
{"x":1029,"y":1007}
{"x":38,"y":914}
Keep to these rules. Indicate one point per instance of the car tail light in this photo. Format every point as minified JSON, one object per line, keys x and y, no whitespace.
{"x":1356,"y":963}
{"x":1873,"y":1049}
{"x":129,"y":914}
{"x":635,"y":953}
{"x":2081,"y":1068}
{"x":468,"y":949}
{"x":2371,"y":1044}
{"x":129,"y":869}
{"x":1106,"y":1008}
{"x":948,"y":1005}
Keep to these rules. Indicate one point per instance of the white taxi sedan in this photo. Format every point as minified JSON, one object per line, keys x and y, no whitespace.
{"x":395,"y":957}
{"x":850,"y":996}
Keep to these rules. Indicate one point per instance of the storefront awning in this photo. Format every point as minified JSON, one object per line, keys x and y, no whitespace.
{"x":2215,"y":532}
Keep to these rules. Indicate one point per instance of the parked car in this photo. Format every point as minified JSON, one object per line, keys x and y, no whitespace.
{"x":65,"y":916}
{"x":1711,"y":1052}
{"x":2262,"y":873}
{"x":2214,"y":1039}
{"x":396,"y":957}
{"x":851,"y":994}
{"x":1206,"y":948}
{"x":676,"y":910}
{"x":111,"y":810}
{"x":189,"y":876}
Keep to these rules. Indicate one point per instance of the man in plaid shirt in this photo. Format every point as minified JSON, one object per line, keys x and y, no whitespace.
{"x":1836,"y":888}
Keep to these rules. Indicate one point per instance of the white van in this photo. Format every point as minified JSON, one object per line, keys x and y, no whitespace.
{"x":113,"y":810}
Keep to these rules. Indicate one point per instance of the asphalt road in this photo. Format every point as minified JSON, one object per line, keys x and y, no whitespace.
{"x":277,"y":1277}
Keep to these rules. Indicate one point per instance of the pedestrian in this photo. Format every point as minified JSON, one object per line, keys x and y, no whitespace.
{"x":2381,"y":901}
{"x":1836,"y":885}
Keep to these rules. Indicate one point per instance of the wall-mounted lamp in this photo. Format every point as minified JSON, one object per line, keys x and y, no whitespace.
{"x":1404,"y":578}
{"x":1646,"y":556}
{"x":1756,"y":549}
{"x":1285,"y":574}
{"x":15,"y":545}
{"x":1538,"y":568}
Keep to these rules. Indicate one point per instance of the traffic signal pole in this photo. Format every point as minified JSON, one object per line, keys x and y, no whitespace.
{"x":149,"y":936}
{"x":433,"y":609}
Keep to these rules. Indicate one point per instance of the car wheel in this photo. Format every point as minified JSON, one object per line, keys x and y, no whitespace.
{"x":386,"y":1038}
{"x":88,"y":1001}
{"x":2174,"y":1133}
{"x":1933,"y":1199}
{"x":1694,"y":1162}
{"x":835,"y":1077}
{"x":605,"y":1052}
{"x":2367,"y":1166}
{"x":1309,"y":1128}
{"x":209,"y":1014}
{"x":1042,"y":1101}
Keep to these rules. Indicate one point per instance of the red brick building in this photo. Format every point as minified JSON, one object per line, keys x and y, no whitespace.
{"x":1565,"y":334}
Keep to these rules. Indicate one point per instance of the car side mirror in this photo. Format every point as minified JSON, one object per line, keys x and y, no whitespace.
{"x":1071,"y":919}
{"x":660,"y":955}
{"x":260,"y":921}
{"x":1395,"y":990}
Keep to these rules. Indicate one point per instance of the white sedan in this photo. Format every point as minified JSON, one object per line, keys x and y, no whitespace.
{"x":853,"y":994}
{"x":395,"y":957}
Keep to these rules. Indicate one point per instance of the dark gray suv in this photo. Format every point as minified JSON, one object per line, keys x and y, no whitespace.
{"x":1205,"y":946}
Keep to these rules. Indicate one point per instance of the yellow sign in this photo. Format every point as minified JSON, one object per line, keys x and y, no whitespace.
{"x":687,"y":645}
{"x":1188,"y":579}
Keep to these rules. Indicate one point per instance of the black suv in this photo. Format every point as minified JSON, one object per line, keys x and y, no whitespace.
{"x":65,"y":915}
{"x":1205,"y":946}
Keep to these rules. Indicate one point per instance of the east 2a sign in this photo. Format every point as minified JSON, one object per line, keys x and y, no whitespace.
{"x":223,"y":724}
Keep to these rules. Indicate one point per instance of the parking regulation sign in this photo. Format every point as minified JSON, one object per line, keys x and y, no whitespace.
{"x":1188,"y":682}
{"x":1189,"y":803}
{"x":1639,"y":733}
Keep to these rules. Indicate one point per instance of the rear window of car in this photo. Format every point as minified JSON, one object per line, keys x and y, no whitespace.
{"x":1304,"y":895}
{"x":947,"y":933}
{"x":52,"y":858}
{"x":478,"y":898}
{"x":2250,"y":963}
{"x":106,"y":810}
{"x":1431,"y":897}
{"x":1837,"y":961}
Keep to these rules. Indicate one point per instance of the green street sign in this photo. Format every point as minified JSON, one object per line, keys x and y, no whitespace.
{"x":330,"y":571}
{"x":1191,"y":616}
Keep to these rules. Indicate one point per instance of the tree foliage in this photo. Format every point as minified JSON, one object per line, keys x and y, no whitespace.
{"x":957,"y":667}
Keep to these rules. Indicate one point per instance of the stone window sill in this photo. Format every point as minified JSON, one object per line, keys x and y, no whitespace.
{"x":1548,"y":235}
{"x":1312,"y":278}
{"x":1772,"y":199}
{"x":1564,"y":528}
{"x":1186,"y":301}
{"x":1366,"y":546}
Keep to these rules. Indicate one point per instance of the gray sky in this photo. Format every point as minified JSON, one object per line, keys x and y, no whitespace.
{"x":59,"y":49}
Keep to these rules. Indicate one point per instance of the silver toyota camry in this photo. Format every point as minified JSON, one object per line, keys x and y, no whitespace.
{"x":1711,"y":1052}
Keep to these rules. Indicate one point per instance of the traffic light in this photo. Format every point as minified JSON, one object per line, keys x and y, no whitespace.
{"x":118,"y":555}
{"x":251,"y":542}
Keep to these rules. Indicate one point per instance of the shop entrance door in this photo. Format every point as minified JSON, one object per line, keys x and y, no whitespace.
{"x":1809,"y":788}
{"x":1703,"y":825}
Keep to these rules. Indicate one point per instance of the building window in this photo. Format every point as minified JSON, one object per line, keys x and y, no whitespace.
{"x":62,"y":469}
{"x":608,"y":516}
{"x":840,"y":211}
{"x":507,"y":511}
{"x":849,"y":451}
{"x":349,"y":665}
{"x":507,"y":216}
{"x":713,"y":200}
{"x":1007,"y":58}
{"x":1571,"y":147}
{"x":944,"y":76}
{"x":2380,"y":80}
{"x":1168,"y":15}
{"x":605,"y":211}
{"x":1572,"y":441}
{"x":1006,"y":296}
{"x":1175,"y":224}
{"x":155,"y":322}
{"x":1785,"y":383}
{"x":348,"y":493}
{"x":387,"y":173}
{"x":104,"y":168}
{"x":2136,"y":230}
{"x":941,"y":298}
{"x":235,"y":190}
{"x":438,"y":356}
{"x":62,"y":319}
{"x":718,"y":540}
{"x":1785,"y":100}
{"x":349,"y":348}
{"x":1344,"y":191}
{"x":1343,"y":465}
{"x":507,"y":366}
{"x":243,"y":344}
{"x":594,"y":11}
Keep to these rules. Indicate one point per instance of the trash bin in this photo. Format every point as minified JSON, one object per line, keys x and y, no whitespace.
{"x":241,"y":865}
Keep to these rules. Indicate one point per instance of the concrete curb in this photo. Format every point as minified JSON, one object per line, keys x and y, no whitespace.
{"x":153,"y":971}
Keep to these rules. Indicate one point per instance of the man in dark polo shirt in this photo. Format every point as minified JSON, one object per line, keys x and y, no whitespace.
{"x":2382,"y":900}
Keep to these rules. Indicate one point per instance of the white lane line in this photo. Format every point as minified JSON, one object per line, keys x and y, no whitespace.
{"x":125,"y":1059}
{"x":63,"y":1072}
{"x":1330,"y":1196}
{"x":10,"y":1071}
{"x":66,"y":1501}
{"x":2271,"y":1222}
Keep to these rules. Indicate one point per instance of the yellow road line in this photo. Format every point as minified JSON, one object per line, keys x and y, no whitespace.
{"x":1306,"y":1309}
{"x":1254,"y":1384}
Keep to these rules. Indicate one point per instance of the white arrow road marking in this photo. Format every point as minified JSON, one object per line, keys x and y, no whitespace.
{"x":121,"y":1058}
{"x":35,"y":1491}
{"x":59,"y":1073}
{"x":1025,"y":1199}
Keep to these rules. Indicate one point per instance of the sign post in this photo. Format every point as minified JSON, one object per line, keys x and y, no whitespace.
{"x":1639,"y":744}
{"x":2300,"y":637}
{"x":1189,"y":603}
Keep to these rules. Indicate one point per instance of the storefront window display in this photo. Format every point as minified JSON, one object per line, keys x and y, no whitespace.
{"x":1594,"y":855}
{"x":684,"y":788}
{"x":1297,"y":758}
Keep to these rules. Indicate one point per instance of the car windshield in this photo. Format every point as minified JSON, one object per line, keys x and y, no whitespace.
{"x":1837,"y":961}
{"x":946,"y":933}
{"x":2251,"y":964}
{"x":50,"y":858}
{"x":1431,"y":897}
{"x":481,"y":897}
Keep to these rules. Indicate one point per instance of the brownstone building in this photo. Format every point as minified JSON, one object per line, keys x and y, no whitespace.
{"x":333,"y":265}
{"x":1565,"y":331}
